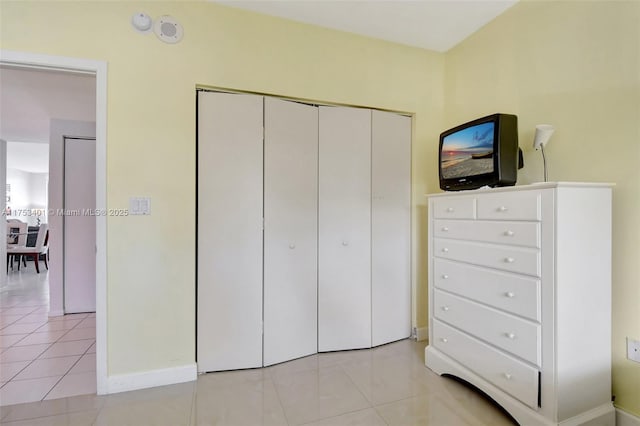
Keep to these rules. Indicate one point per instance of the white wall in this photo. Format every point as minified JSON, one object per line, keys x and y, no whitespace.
{"x":19,"y":181}
{"x":38,"y":197}
{"x":19,"y":194}
{"x":27,"y":173}
{"x":28,"y":191}
{"x":38,"y":190}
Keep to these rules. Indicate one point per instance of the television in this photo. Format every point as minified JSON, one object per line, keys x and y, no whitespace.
{"x":482,"y":152}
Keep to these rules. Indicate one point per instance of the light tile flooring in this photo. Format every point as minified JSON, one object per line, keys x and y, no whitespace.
{"x":49,"y":359}
{"x":388,"y":385}
{"x":42,"y":357}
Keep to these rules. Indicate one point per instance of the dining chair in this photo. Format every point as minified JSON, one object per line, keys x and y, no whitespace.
{"x":41,"y":247}
{"x":16,"y":232}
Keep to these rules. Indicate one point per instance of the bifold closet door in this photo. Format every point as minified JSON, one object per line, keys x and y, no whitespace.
{"x":230,"y":179}
{"x":390,"y":227}
{"x":344,"y":250}
{"x":290,"y":230}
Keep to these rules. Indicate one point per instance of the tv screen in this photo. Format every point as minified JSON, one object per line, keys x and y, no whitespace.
{"x":482,"y":152}
{"x":468,"y":152}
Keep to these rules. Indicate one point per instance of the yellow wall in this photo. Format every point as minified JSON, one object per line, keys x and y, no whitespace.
{"x":151,"y":134}
{"x":575,"y":65}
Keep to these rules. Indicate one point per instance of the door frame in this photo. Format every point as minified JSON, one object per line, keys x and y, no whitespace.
{"x":28,"y":60}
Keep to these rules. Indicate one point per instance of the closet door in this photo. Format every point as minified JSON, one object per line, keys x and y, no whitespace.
{"x":230,"y":153}
{"x":290,"y":230}
{"x":79,"y":240}
{"x":344,"y":201}
{"x":390,"y":227}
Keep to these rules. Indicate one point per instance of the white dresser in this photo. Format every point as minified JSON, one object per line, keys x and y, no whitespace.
{"x":520,"y":298}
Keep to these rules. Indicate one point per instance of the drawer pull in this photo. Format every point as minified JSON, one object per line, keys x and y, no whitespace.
{"x":502,"y":209}
{"x":507,"y":376}
{"x":509,"y":259}
{"x":345,"y":243}
{"x":509,"y":233}
{"x":444,"y":340}
{"x":450,"y":209}
{"x":292,"y":246}
{"x":445,"y":276}
{"x":510,"y":335}
{"x":510,"y":294}
{"x":445,"y":229}
{"x":445,"y":250}
{"x":445,"y":308}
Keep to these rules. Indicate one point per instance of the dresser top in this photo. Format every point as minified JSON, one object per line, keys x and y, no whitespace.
{"x":538,"y":185}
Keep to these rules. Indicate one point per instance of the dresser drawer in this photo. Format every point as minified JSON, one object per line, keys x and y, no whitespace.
{"x":512,"y":259}
{"x":512,"y":376}
{"x":512,"y":293}
{"x":525,"y":234}
{"x":510,"y":206}
{"x":515,"y":335}
{"x":454,"y":208}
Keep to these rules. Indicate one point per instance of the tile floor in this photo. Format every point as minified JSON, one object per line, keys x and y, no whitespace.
{"x":41,"y":357}
{"x":388,"y":385}
{"x":51,"y":361}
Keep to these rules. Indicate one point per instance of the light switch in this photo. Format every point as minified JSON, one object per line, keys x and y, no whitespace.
{"x":140,"y":206}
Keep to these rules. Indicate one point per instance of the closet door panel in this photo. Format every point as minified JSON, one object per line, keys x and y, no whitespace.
{"x":79,"y":231}
{"x":290,"y":230}
{"x":390,"y":227}
{"x":344,"y":257}
{"x":230,"y":181}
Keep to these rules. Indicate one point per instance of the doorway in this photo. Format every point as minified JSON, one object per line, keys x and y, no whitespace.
{"x":28,"y":61}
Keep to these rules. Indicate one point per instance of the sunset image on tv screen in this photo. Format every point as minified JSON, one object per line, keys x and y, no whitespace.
{"x":468,"y":152}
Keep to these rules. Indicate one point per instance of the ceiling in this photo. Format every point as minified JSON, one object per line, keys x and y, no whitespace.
{"x":29,"y":99}
{"x":28,"y":157}
{"x":429,"y":24}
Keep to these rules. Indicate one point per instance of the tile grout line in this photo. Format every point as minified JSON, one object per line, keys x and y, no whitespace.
{"x":375,"y":408}
{"x":12,"y":379}
{"x":67,"y":373}
{"x":275,"y":387}
{"x":30,"y":362}
{"x":346,"y":373}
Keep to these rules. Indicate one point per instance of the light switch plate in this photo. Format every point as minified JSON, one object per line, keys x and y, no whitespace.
{"x":140,"y":206}
{"x":633,"y":349}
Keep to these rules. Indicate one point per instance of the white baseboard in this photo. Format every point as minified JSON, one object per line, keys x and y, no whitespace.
{"x":56,"y":313}
{"x":626,"y":419}
{"x":422,"y":333}
{"x":153,"y":378}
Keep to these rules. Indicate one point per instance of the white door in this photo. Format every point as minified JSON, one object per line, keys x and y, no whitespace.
{"x":79,"y":225}
{"x":344,"y":223}
{"x":290,"y":230}
{"x":390,"y":227}
{"x":229,"y":221}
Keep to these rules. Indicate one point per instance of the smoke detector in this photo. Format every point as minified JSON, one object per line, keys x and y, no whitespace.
{"x":142,"y":22}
